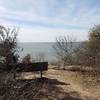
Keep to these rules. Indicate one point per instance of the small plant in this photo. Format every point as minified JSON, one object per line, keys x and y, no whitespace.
{"x":27,"y":59}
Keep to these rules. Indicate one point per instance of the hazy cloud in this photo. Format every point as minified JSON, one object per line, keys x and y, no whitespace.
{"x":52,"y":17}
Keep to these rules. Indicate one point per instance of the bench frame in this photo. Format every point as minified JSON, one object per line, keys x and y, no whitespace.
{"x":31,"y":67}
{"x":37,"y":66}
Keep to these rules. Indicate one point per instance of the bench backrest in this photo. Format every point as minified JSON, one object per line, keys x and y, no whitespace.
{"x":38,"y":66}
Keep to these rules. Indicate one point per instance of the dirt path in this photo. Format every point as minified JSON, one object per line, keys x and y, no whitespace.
{"x":67,"y":85}
{"x":74,"y":85}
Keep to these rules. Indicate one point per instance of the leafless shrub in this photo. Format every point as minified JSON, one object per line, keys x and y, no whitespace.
{"x":8,"y":45}
{"x":27,"y":59}
{"x":64,"y":49}
{"x":88,"y":53}
{"x":81,"y":54}
{"x":9,"y":51}
{"x":94,"y":45}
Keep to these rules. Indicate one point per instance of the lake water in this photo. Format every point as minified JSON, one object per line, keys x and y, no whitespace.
{"x":36,"y":49}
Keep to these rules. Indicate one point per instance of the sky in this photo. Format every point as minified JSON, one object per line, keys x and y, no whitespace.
{"x":44,"y":20}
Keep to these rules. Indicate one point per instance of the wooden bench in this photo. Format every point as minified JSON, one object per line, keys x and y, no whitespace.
{"x":38,"y":66}
{"x":31,"y":67}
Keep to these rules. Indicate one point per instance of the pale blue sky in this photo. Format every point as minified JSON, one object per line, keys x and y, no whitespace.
{"x":44,"y":20}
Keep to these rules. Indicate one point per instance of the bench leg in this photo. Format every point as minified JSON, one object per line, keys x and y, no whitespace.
{"x":41,"y":73}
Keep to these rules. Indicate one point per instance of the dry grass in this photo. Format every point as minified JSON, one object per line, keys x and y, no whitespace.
{"x":85,"y":83}
{"x":58,"y":85}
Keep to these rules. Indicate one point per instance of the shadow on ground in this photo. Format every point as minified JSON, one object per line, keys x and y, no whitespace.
{"x":38,"y":89}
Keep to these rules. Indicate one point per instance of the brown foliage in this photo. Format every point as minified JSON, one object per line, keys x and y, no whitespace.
{"x":8,"y":46}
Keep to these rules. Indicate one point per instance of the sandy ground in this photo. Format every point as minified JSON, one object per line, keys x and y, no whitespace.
{"x":76,"y":83}
{"x":68,"y":85}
